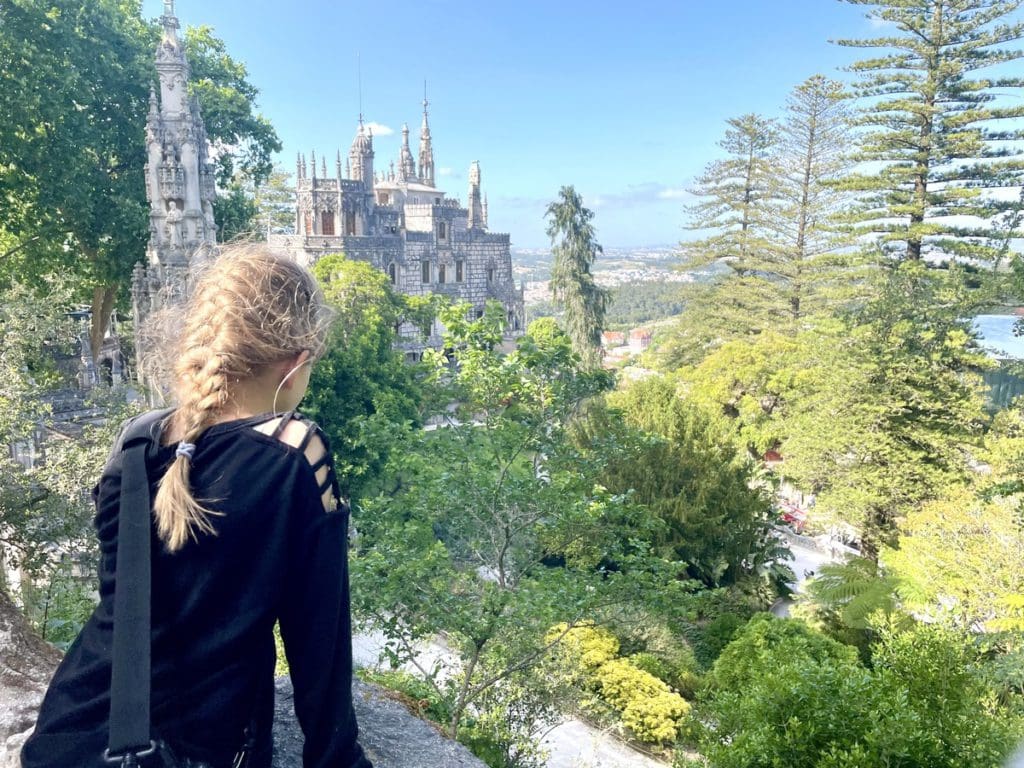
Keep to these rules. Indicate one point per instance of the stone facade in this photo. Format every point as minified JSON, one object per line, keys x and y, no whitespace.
{"x":404,"y":225}
{"x":180,"y":189}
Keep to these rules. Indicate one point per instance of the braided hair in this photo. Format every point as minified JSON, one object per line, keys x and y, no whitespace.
{"x":250,"y":308}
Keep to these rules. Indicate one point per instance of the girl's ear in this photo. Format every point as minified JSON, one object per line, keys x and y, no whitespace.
{"x":290,"y":365}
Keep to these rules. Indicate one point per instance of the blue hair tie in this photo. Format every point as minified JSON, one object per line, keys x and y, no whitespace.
{"x":185,"y":449}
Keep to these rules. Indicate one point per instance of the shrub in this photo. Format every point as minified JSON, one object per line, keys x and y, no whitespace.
{"x":647,"y":705}
{"x":656,"y":719}
{"x":585,"y":645}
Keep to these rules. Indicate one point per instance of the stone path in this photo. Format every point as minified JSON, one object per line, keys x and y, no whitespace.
{"x":571,"y":744}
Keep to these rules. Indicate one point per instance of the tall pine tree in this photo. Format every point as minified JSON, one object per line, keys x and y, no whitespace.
{"x":575,"y":249}
{"x":939,"y":142}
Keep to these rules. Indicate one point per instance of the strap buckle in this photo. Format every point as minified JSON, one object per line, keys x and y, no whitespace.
{"x":130,"y":758}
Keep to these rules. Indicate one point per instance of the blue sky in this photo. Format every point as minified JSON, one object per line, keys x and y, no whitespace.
{"x":626,"y":101}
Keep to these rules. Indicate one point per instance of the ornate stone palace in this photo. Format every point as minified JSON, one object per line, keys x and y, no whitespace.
{"x":404,"y":225}
{"x":399,"y":221}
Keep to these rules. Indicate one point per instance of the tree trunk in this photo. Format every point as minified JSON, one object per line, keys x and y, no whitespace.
{"x":26,"y":665}
{"x":103,"y":297}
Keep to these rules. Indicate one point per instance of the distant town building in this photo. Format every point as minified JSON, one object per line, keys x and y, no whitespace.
{"x":403,"y":224}
{"x":639,"y":340}
{"x":613,"y":339}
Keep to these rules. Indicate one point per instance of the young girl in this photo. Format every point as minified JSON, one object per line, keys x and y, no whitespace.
{"x":248,"y":530}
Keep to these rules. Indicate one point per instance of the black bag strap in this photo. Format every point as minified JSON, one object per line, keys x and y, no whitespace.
{"x":130,"y":736}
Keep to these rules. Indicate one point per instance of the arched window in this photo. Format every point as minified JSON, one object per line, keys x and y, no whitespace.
{"x":392,"y":273}
{"x":327,"y":222}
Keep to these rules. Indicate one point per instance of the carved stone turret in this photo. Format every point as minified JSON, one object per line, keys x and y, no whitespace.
{"x":406,"y":165}
{"x":180,"y":188}
{"x":361,"y":156}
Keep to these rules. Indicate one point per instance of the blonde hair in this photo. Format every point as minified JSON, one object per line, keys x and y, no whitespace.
{"x":248,"y":309}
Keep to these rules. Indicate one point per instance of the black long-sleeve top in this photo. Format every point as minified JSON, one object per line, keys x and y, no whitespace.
{"x":276,"y":555}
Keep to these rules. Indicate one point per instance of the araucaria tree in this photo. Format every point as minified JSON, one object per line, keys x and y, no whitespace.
{"x":575,"y":249}
{"x":806,"y":263}
{"x":732,"y":193}
{"x":939,"y":142}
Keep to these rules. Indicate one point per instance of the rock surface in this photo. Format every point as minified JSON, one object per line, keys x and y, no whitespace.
{"x":390,"y":734}
{"x":26,"y":664}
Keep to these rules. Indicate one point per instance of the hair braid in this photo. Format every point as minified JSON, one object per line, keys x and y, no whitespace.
{"x":249,"y":309}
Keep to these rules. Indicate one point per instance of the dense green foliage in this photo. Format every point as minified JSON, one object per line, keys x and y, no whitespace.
{"x":782,"y":694}
{"x":633,"y":304}
{"x":684,"y":470}
{"x":362,"y":389}
{"x":493,"y":527}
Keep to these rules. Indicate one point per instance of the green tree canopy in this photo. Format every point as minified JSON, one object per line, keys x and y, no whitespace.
{"x":683,"y":468}
{"x":362,"y":390}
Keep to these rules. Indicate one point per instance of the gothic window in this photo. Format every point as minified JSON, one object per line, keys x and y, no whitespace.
{"x":442,"y":231}
{"x":350,"y":222}
{"x":490,"y":275}
{"x":392,"y":273}
{"x":384,"y":198}
{"x":441,"y":270}
{"x":309,"y":224}
{"x":425,"y":271}
{"x":459,"y":275}
{"x":327,"y":222}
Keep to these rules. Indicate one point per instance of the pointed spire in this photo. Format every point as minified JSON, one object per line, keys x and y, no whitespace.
{"x":154,"y":108}
{"x":426,"y":147}
{"x":485,"y":210}
{"x":338,"y":164}
{"x":170,"y":23}
{"x":323,"y":167}
{"x":312,"y":164}
{"x":298,"y":165}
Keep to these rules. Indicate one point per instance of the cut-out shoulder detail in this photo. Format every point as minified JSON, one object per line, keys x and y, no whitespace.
{"x":304,"y":435}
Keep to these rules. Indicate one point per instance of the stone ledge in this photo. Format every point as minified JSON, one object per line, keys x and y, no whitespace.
{"x":390,"y":734}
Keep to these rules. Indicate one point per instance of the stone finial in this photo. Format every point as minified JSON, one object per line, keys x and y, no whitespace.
{"x":298,"y":165}
{"x":312,"y":164}
{"x":323,"y":166}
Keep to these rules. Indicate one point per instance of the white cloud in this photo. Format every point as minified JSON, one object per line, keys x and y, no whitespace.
{"x":636,"y":195}
{"x":380,"y":130}
{"x":673,"y":193}
{"x":445,"y":172}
